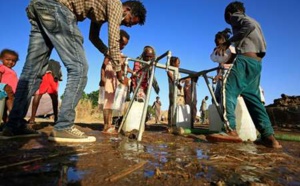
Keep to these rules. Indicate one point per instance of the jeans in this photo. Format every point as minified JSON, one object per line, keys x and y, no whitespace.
{"x":52,"y":26}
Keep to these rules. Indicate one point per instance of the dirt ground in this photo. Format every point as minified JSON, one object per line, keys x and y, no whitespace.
{"x":160,"y":158}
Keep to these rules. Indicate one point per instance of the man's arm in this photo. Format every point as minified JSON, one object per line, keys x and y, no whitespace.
{"x":95,"y":39}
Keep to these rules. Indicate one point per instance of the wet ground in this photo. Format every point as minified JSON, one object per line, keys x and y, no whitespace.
{"x":159,"y":159}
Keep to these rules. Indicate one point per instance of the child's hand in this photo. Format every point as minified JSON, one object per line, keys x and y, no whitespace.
{"x":101,"y":83}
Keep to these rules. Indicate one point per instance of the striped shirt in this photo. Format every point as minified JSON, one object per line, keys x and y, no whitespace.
{"x":100,"y":11}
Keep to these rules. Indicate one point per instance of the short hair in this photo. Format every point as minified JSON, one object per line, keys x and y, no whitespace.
{"x":149,"y":48}
{"x":233,"y":7}
{"x":123,"y":33}
{"x":137,"y":9}
{"x":8,"y":51}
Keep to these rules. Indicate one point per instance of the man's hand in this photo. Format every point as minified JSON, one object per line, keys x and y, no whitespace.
{"x":220,"y":50}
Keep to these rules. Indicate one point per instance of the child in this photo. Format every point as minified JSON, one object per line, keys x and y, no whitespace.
{"x":147,"y":55}
{"x":110,"y":82}
{"x":157,"y":106}
{"x":225,"y":61}
{"x":190,"y":96}
{"x":175,"y":62}
{"x":48,"y":85}
{"x":8,"y":77}
{"x":244,"y":76}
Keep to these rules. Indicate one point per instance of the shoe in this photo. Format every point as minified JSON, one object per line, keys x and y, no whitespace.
{"x":26,"y":132}
{"x":269,"y":141}
{"x":231,"y":136}
{"x":71,"y":135}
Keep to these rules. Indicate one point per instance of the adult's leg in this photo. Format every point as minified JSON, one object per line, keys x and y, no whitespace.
{"x":60,"y":25}
{"x":39,"y":50}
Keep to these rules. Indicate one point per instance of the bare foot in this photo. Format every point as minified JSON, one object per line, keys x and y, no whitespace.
{"x":269,"y":141}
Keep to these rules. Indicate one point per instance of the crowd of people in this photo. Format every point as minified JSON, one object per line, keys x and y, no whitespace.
{"x":239,"y":74}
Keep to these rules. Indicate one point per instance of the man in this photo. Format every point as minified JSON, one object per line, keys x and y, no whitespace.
{"x":203,"y":108}
{"x":244,"y":76}
{"x":54,"y":25}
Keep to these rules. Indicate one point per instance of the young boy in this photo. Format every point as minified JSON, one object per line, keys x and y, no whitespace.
{"x":244,"y":76}
{"x":8,"y":78}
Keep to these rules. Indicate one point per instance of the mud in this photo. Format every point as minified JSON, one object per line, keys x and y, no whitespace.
{"x":165,"y":159}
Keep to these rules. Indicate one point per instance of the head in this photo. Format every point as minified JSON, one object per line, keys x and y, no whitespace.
{"x":9,"y":58}
{"x":206,"y":97}
{"x":232,"y":8}
{"x":134,"y":13}
{"x":157,"y":98}
{"x":124,"y":39}
{"x":222,"y":36}
{"x":148,"y":53}
{"x":175,"y":61}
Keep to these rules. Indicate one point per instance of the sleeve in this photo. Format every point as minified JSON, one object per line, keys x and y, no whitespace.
{"x":114,"y":15}
{"x":2,"y":70}
{"x":243,"y":25}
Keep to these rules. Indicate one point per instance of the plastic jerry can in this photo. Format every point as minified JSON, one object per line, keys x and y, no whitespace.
{"x":134,"y":117}
{"x":244,"y":124}
{"x":183,"y":116}
{"x":215,"y":121}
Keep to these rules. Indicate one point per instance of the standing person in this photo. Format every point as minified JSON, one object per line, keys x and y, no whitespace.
{"x":175,"y":62}
{"x":48,"y":85}
{"x":54,"y":25}
{"x":110,"y":82}
{"x":244,"y":76}
{"x":190,"y":96}
{"x":203,"y":108}
{"x":147,"y":55}
{"x":157,"y":106}
{"x":8,"y":78}
{"x":225,"y":62}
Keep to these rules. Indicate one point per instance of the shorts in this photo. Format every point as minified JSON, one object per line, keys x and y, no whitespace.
{"x":48,"y":85}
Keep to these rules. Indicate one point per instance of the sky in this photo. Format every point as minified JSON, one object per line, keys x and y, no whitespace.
{"x":187,"y":30}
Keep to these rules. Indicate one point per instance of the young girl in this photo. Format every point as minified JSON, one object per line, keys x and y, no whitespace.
{"x":224,"y":61}
{"x":175,"y":62}
{"x":110,"y":83}
{"x":8,"y":78}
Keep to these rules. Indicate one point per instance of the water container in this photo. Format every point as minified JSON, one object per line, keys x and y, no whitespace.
{"x":120,"y":96}
{"x":183,"y":116}
{"x":134,"y":117}
{"x":101,"y":95}
{"x":244,"y":124}
{"x":215,"y":121}
{"x":2,"y":104}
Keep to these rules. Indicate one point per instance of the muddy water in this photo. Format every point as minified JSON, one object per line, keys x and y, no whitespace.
{"x":170,"y":160}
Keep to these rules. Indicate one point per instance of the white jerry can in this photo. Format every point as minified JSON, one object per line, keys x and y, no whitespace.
{"x":183,"y":116}
{"x":244,"y":124}
{"x":215,"y":121}
{"x":134,"y":117}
